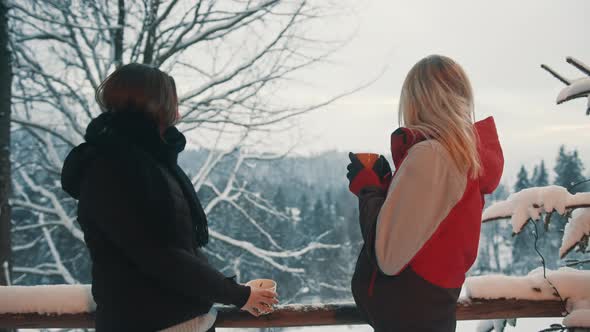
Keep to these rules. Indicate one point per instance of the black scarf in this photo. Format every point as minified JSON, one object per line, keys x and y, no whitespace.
{"x":139,"y":129}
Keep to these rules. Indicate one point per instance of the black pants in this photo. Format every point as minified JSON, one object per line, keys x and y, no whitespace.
{"x":403,"y":303}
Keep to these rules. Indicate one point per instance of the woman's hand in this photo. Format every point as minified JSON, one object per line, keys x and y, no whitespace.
{"x":360,"y":177}
{"x":260,"y":301}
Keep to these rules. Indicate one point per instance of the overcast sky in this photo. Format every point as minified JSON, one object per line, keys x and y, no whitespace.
{"x":500,"y":44}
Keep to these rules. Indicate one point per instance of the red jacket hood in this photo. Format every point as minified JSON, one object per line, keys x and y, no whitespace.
{"x":490,"y":151}
{"x":490,"y":155}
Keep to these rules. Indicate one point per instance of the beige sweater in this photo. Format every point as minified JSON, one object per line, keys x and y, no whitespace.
{"x":423,"y":191}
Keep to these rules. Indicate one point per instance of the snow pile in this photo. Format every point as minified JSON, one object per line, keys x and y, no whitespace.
{"x":578,"y":88}
{"x":46,"y":299}
{"x":572,"y":284}
{"x":578,"y":318}
{"x":575,"y":230}
{"x":531,"y":202}
{"x":494,"y":325}
{"x":489,"y":325}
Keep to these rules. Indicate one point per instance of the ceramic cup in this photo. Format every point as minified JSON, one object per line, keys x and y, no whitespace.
{"x":264,"y":284}
{"x":367,"y":159}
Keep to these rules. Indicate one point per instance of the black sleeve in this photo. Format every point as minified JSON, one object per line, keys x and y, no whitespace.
{"x":371,"y":199}
{"x":118,"y":202}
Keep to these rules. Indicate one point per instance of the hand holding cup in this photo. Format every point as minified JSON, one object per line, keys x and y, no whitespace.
{"x":368,"y":169}
{"x":262,"y":298}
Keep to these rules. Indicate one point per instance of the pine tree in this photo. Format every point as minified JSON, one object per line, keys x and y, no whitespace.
{"x":576,"y":167}
{"x":306,"y":225}
{"x":522,"y":248}
{"x":542,"y":177}
{"x":279,"y":200}
{"x":493,"y":236}
{"x":569,"y":170}
{"x":561,"y":167}
{"x":304,"y":206}
{"x":320,"y":212}
{"x":534,"y":176}
{"x":500,"y":194}
{"x":522,"y":181}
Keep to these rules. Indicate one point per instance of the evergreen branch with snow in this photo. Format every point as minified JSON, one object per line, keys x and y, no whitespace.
{"x":530,"y":203}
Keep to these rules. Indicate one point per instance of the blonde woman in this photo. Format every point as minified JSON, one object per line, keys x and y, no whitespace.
{"x":421,"y":225}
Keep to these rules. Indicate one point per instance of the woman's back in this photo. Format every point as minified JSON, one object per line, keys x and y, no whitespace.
{"x":141,"y":217}
{"x":421,"y":227}
{"x":139,"y":226}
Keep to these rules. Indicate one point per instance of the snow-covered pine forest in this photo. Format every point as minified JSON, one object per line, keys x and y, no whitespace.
{"x":312,"y":198}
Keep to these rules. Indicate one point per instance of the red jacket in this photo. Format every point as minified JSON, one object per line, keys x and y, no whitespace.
{"x":449,"y":253}
{"x":409,"y":252}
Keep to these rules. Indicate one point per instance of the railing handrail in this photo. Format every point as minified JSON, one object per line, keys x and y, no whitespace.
{"x":306,"y":315}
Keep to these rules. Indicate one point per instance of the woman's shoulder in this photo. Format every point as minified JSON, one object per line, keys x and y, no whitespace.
{"x":126,"y":165}
{"x":429,"y":149}
{"x":431,"y":156}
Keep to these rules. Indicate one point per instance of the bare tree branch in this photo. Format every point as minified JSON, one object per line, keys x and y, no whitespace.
{"x":233,"y":55}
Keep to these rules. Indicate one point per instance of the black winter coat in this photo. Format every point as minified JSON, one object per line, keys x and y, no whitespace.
{"x":143,"y":225}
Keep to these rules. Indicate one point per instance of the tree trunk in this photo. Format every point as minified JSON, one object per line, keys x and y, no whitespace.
{"x":151,"y":16}
{"x":5,"y":87}
{"x":119,"y":34}
{"x":5,"y":93}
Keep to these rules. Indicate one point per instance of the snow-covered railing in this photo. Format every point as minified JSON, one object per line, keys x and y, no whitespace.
{"x":71,"y":306}
{"x":304,"y":315}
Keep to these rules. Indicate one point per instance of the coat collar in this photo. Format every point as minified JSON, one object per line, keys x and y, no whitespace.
{"x":488,"y":147}
{"x":402,"y":139}
{"x":139,"y":129}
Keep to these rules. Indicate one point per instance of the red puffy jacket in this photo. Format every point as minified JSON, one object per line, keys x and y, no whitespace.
{"x":421,"y":236}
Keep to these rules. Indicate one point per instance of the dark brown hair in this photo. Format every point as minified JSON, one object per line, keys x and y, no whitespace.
{"x":140,"y":88}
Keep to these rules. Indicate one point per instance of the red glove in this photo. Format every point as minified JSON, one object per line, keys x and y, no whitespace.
{"x":360,"y":177}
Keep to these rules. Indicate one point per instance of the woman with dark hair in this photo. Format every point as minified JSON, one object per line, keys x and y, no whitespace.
{"x":142,"y":220}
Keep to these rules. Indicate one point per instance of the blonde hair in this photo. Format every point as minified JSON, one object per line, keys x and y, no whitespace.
{"x":437,"y":102}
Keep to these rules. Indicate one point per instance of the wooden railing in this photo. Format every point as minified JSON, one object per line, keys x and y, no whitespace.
{"x":307,"y":315}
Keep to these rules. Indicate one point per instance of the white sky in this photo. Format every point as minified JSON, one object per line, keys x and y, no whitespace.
{"x":501,"y":45}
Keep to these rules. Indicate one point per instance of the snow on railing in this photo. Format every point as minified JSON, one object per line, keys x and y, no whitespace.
{"x":71,"y":306}
{"x":568,"y":285}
